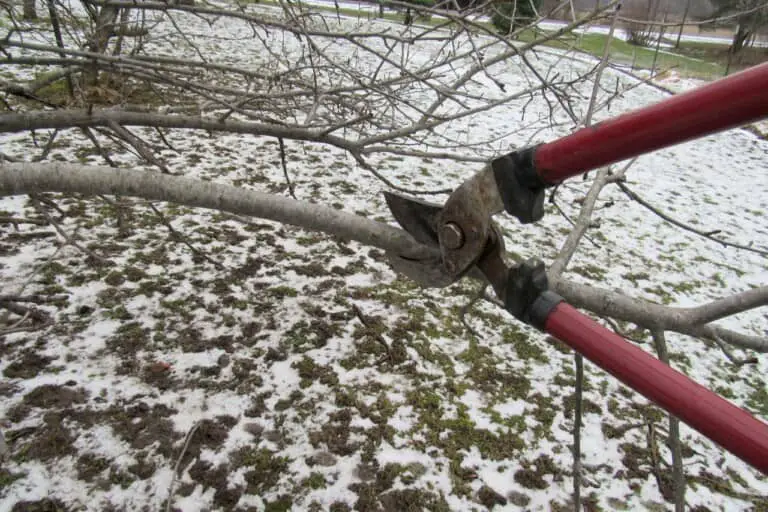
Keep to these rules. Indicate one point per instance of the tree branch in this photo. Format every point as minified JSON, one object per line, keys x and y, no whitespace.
{"x":23,"y":178}
{"x":82,"y":118}
{"x":678,"y":475}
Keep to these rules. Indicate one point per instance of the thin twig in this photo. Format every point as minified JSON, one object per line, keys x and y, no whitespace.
{"x":285,"y":167}
{"x":38,"y":299}
{"x":369,"y":325}
{"x":67,"y":238}
{"x":182,"y":239}
{"x":139,"y":145}
{"x":706,"y":234}
{"x":577,"y":411}
{"x":464,"y":311}
{"x":177,"y":467}
{"x":24,"y":328}
{"x":25,"y":311}
{"x":16,"y":221}
{"x":738,"y":361}
{"x":678,"y":476}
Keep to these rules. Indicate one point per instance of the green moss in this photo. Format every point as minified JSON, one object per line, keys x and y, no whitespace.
{"x":134,"y":274}
{"x":7,"y":478}
{"x":263,"y":468}
{"x":309,"y":372}
{"x":281,"y":292}
{"x":314,"y":481}
{"x":458,"y":434}
{"x":685,"y":287}
{"x":634,"y":277}
{"x":525,"y":348}
{"x":590,"y":271}
{"x":289,"y":402}
{"x":757,"y":401}
{"x":281,"y":504}
{"x":532,"y":475}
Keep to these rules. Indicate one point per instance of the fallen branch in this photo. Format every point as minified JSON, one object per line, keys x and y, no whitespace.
{"x":177,"y":467}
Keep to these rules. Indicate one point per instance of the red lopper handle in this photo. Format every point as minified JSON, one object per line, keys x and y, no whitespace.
{"x":727,"y":103}
{"x":729,"y":426}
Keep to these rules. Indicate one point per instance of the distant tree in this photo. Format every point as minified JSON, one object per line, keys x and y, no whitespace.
{"x":508,"y":15}
{"x":409,"y":17}
{"x":642,"y":13}
{"x":752,"y":16}
{"x":29,"y":10}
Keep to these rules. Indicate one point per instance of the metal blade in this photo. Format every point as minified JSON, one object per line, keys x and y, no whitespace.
{"x":470,"y":207}
{"x":417,"y":217}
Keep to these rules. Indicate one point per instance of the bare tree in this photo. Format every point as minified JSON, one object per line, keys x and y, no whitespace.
{"x":122,"y":80}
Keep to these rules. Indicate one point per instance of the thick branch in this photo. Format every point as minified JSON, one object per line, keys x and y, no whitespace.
{"x":604,"y":302}
{"x":25,"y":178}
{"x":93,"y":180}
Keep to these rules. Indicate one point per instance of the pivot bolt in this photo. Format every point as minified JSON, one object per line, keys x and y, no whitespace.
{"x":452,"y":236}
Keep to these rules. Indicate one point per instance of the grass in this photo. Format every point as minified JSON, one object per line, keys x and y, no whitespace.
{"x":643,"y":58}
{"x":692,"y":59}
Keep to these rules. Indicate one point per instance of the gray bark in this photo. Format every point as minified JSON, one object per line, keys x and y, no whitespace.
{"x":26,"y":178}
{"x":83,"y":118}
{"x":30,"y":12}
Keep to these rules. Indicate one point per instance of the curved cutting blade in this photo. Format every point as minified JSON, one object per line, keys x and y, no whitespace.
{"x":419,"y":218}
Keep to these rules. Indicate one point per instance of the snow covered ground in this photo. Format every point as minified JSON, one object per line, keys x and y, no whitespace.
{"x":305,"y":373}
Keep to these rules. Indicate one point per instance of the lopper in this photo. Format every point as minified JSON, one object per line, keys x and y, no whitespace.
{"x":470,"y":244}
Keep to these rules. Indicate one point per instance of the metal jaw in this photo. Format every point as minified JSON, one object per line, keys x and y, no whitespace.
{"x":423,"y":220}
{"x":464,"y":224}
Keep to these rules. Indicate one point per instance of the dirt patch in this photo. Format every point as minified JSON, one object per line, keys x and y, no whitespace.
{"x":48,"y":396}
{"x":51,"y":396}
{"x":532,"y":475}
{"x":129,"y":339}
{"x":48,"y":441}
{"x":45,"y":505}
{"x":335,"y":434}
{"x":209,"y":434}
{"x":140,"y":425}
{"x":204,"y":473}
{"x":29,"y":365}
{"x":89,"y":466}
{"x":412,"y":500}
{"x":264,"y":468}
{"x":8,"y":389}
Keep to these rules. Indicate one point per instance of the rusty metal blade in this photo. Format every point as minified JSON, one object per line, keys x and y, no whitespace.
{"x":417,"y":217}
{"x":470,"y":208}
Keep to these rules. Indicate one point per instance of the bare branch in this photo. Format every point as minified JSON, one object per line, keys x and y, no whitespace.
{"x":93,"y":180}
{"x":678,"y":475}
{"x":22,"y":178}
{"x":579,"y":362}
{"x":80,"y":118}
{"x":605,"y":302}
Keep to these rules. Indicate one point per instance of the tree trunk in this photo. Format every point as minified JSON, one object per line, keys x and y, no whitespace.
{"x":30,"y":13}
{"x":682,"y":23}
{"x":105,"y":28}
{"x":741,"y":35}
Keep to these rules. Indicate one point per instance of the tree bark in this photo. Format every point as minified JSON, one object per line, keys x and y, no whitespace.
{"x":30,"y":12}
{"x":24,"y":178}
{"x":105,"y":26}
{"x":741,"y":35}
{"x":682,"y":23}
